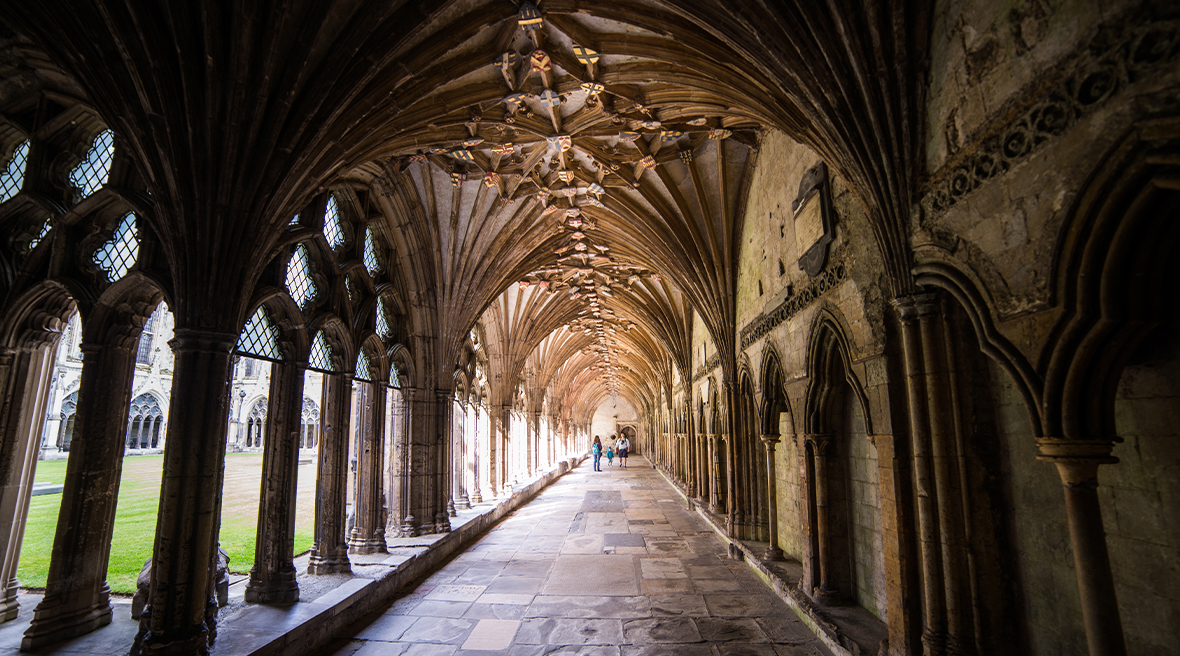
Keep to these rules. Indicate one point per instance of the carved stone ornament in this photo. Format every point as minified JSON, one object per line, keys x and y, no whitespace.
{"x":812,"y":211}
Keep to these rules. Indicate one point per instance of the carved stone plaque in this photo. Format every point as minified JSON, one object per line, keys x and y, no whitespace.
{"x":812,"y":211}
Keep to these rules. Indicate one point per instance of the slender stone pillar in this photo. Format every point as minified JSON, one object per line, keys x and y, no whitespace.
{"x":825,"y":592}
{"x":329,"y":552}
{"x":477,"y":437}
{"x":25,"y":374}
{"x":774,"y":552}
{"x":403,"y":475}
{"x":934,"y":629}
{"x":177,"y":617}
{"x":459,"y":435}
{"x":1077,"y":463}
{"x":77,"y":598}
{"x":368,"y":529}
{"x":495,"y":451}
{"x":272,"y":578}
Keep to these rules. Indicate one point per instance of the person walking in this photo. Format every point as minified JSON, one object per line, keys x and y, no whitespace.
{"x":596,"y":451}
{"x":623,"y":446}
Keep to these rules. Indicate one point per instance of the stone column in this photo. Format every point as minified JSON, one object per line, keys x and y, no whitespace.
{"x":403,"y":468}
{"x":368,"y":529}
{"x":825,"y":592}
{"x":774,"y":552}
{"x":329,"y":551}
{"x":177,"y":617}
{"x":272,"y":578}
{"x":25,"y":375}
{"x":459,"y":435}
{"x":1077,"y":463}
{"x":477,"y":433}
{"x":76,"y":596}
{"x":909,"y":309}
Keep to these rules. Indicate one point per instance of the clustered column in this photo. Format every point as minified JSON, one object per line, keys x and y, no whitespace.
{"x":329,"y":552}
{"x":368,"y":528}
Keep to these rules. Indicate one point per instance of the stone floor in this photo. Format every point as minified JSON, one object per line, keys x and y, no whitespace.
{"x":600,"y":563}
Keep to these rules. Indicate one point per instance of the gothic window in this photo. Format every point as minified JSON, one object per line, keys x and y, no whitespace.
{"x":299,"y":282}
{"x":372,"y":255}
{"x":14,"y":176}
{"x":118,"y":255}
{"x":333,"y":231}
{"x":144,"y":421}
{"x":92,"y":173}
{"x":255,"y":424}
{"x":66,"y":432}
{"x":362,"y":367}
{"x":310,"y":425}
{"x":146,"y":338}
{"x":383,"y":324}
{"x":260,"y":337}
{"x":294,"y":220}
{"x":321,"y":355}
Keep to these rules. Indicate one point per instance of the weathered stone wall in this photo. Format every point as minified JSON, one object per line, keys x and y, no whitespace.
{"x":1141,"y":497}
{"x":868,"y":549}
{"x":1043,"y":568}
{"x":789,"y":490}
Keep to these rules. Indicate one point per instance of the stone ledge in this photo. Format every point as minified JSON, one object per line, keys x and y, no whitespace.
{"x":306,"y":627}
{"x":846,"y":631}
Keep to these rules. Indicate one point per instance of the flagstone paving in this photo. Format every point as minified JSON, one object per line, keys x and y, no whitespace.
{"x":606,"y":563}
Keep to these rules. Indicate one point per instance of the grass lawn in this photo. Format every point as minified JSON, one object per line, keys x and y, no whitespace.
{"x":135,"y":519}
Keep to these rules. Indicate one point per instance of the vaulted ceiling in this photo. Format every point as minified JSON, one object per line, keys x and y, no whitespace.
{"x":573,"y":173}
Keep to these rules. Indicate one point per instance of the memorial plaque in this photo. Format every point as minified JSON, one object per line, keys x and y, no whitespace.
{"x":812,"y":211}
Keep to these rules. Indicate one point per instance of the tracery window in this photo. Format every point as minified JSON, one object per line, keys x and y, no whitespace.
{"x":299,"y":283}
{"x":118,"y":255}
{"x":333,"y":231}
{"x":310,"y":425}
{"x":372,"y":255}
{"x":255,"y":424}
{"x":91,"y":174}
{"x":320,"y":358}
{"x":144,"y":420}
{"x":69,"y":408}
{"x":260,"y":337}
{"x":146,"y":339}
{"x":41,"y":235}
{"x":13,"y":176}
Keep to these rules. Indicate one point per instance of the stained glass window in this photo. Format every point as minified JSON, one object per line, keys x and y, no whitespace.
{"x":92,"y":173}
{"x":260,"y":337}
{"x":321,"y":355}
{"x":372,"y":255}
{"x":332,"y":230}
{"x":118,"y":255}
{"x":299,"y":283}
{"x":362,"y":367}
{"x":14,"y":176}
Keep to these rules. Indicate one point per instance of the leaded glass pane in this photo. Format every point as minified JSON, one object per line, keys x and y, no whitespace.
{"x":41,"y":235}
{"x":332,"y":230}
{"x":14,"y":176}
{"x":371,"y":257}
{"x":294,"y":220}
{"x":260,"y":337}
{"x":118,"y":255}
{"x":362,"y":367}
{"x":394,"y":377}
{"x":299,"y":282}
{"x":92,"y":173}
{"x":321,"y":354}
{"x":383,"y":328}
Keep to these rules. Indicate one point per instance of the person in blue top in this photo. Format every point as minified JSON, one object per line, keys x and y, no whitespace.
{"x":610,"y":456}
{"x":596,"y":450}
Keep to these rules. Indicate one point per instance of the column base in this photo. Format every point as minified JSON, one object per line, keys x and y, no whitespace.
{"x":477,"y":497}
{"x":330,"y":564}
{"x":362,"y":546}
{"x":451,"y":508}
{"x":283,"y":590}
{"x":9,"y":607}
{"x":53,"y":622}
{"x":185,"y":642}
{"x":409,"y":528}
{"x":827,"y":597}
{"x":442,"y":524}
{"x":774,"y":554}
{"x":464,"y":503}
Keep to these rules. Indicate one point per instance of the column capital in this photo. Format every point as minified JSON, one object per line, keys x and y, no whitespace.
{"x":1077,"y":460}
{"x":770,"y":441}
{"x":916,"y":305}
{"x":212,"y":341}
{"x":818,"y":441}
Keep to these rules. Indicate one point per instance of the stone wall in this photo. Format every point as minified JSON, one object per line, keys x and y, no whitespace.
{"x":868,"y":549}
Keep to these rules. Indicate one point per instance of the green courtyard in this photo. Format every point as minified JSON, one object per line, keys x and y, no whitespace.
{"x":135,"y":520}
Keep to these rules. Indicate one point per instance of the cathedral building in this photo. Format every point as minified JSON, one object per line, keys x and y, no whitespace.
{"x":881,"y":288}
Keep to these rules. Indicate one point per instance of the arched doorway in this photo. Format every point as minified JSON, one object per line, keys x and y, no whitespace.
{"x":144,"y":419}
{"x":256,"y":424}
{"x":68,"y":411}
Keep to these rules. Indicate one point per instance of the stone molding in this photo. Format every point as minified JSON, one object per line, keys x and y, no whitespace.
{"x":761,"y":325}
{"x":1120,"y":54}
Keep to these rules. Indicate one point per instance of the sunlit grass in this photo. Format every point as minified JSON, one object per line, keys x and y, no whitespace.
{"x":135,"y":519}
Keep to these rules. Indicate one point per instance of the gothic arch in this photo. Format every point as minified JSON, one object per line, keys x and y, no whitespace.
{"x":774,"y":393}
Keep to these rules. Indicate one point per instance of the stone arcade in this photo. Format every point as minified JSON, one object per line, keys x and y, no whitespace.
{"x":886,"y":284}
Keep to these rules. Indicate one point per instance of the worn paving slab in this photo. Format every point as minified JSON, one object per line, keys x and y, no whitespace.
{"x":599,"y":564}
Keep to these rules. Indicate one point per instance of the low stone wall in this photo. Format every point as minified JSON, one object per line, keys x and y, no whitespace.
{"x":306,"y":627}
